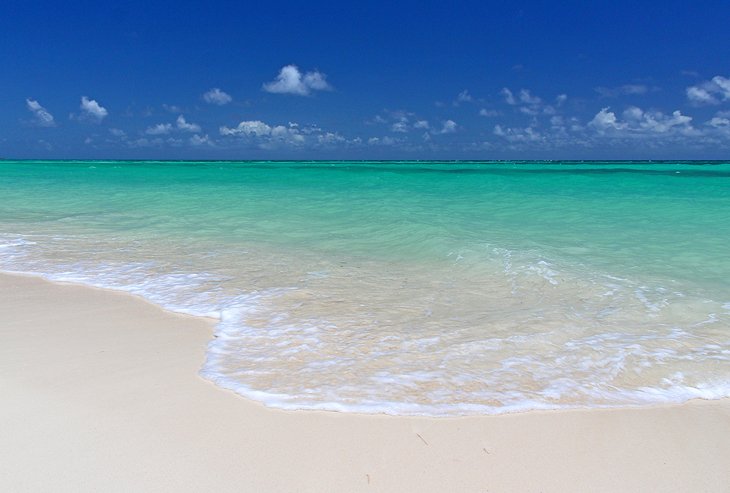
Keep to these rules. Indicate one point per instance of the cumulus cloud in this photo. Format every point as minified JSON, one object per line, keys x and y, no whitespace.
{"x":266,"y":136}
{"x":713,"y":91}
{"x":185,"y":126}
{"x":637,"y":122}
{"x":181,"y":125}
{"x":421,"y":124}
{"x":488,"y":113}
{"x":658,"y":122}
{"x":719,"y":122}
{"x":218,"y":97}
{"x":699,"y":95}
{"x":448,"y":127}
{"x":197,"y":140}
{"x":92,"y":110}
{"x":41,"y":116}
{"x":159,"y":129}
{"x":520,"y":135}
{"x":292,"y":81}
{"x":329,"y":138}
{"x":247,"y":127}
{"x":399,"y":127}
{"x":382,"y":141}
{"x":605,"y":120}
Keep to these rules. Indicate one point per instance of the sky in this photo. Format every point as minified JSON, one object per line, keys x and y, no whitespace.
{"x":369,"y":80}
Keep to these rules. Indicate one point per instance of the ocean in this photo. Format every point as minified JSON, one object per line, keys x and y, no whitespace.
{"x":409,"y":288}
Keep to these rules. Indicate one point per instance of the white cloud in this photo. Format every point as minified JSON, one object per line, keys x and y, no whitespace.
{"x":180,"y":124}
{"x":606,"y":120}
{"x":528,"y":98}
{"x":712,"y":91}
{"x":268,"y":136}
{"x":719,"y":122}
{"x":216,"y":96}
{"x":116,"y":132}
{"x":185,"y":126}
{"x":92,"y":110}
{"x":399,"y":127}
{"x":724,"y":84}
{"x":638,"y":122}
{"x":488,"y":113}
{"x":529,"y":110}
{"x":463,"y":97}
{"x":249,"y":127}
{"x":42,"y":117}
{"x":698,"y":95}
{"x":385,"y":141}
{"x":658,"y":122}
{"x":508,"y":96}
{"x":292,"y":81}
{"x":329,"y":138}
{"x":421,"y":124}
{"x":448,"y":127}
{"x":159,"y":129}
{"x":527,"y":103}
{"x":171,"y":108}
{"x":518,"y":135}
{"x":197,"y":140}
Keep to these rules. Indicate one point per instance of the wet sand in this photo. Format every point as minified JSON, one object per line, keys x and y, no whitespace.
{"x":100,"y":392}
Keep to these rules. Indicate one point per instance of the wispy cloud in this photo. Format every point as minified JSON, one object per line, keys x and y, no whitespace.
{"x":292,"y":81}
{"x":528,"y":103}
{"x":41,"y":116}
{"x":509,"y":98}
{"x":181,"y":124}
{"x":217,"y":97}
{"x":172,"y":108}
{"x":713,"y":91}
{"x":463,"y":97}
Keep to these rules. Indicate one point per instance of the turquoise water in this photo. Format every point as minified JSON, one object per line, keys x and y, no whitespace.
{"x":433,"y":288}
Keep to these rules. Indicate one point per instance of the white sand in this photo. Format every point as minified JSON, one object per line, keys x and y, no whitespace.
{"x":99,"y":392}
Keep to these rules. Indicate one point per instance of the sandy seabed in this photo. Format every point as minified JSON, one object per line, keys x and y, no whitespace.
{"x":99,"y":392}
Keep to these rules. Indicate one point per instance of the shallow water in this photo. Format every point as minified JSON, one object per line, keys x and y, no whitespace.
{"x":407,"y":287}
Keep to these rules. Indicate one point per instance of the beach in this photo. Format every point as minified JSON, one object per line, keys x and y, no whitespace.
{"x":101,"y":392}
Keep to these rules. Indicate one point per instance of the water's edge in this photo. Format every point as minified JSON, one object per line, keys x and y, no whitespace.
{"x":272,"y":401}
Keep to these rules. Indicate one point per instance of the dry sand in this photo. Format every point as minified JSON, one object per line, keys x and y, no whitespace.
{"x":99,"y":392}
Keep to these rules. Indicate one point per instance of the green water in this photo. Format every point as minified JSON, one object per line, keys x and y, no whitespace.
{"x":361,"y":264}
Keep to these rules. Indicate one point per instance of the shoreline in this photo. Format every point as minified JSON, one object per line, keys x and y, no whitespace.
{"x":213,"y":322}
{"x":102,"y":393}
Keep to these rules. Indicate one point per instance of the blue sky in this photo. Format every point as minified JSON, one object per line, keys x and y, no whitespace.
{"x":395,"y":80}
